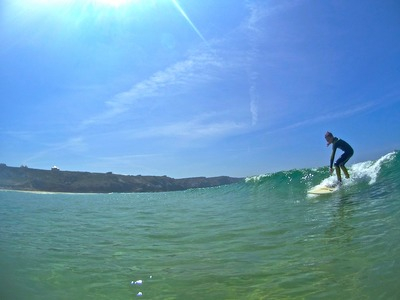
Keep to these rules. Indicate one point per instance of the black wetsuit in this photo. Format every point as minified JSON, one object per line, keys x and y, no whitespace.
{"x":345,"y":147}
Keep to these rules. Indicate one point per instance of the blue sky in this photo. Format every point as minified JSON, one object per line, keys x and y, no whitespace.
{"x":189,"y":88}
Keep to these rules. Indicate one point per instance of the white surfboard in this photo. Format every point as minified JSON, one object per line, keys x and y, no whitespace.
{"x":322,"y":190}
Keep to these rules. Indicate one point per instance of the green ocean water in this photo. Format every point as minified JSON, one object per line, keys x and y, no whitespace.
{"x":264,"y":238}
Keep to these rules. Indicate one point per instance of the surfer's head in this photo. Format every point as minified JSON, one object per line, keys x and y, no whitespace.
{"x":329,"y":138}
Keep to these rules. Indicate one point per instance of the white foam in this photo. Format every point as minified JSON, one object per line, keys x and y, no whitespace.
{"x":360,"y":171}
{"x":330,"y":181}
{"x":257,"y":178}
{"x":369,"y":169}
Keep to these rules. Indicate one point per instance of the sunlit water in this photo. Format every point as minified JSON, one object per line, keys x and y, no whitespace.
{"x":260,"y":239}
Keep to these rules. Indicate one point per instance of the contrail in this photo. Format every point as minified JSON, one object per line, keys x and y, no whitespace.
{"x":189,"y":21}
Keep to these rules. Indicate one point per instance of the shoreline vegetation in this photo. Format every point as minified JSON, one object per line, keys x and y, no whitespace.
{"x":57,"y":181}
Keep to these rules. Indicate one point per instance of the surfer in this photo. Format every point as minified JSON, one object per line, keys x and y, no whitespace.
{"x":347,"y":153}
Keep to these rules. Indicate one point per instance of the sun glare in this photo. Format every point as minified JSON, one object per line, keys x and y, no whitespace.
{"x":112,"y":3}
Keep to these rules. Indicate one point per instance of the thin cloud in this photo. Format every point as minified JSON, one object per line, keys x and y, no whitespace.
{"x":200,"y":127}
{"x":202,"y":66}
{"x":74,"y":144}
{"x":252,"y":28}
{"x":23,"y":135}
{"x":196,"y":69}
{"x":253,"y":34}
{"x":331,"y":116}
{"x":194,"y":130}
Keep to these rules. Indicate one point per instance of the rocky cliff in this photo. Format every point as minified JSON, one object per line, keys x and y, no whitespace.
{"x":26,"y":179}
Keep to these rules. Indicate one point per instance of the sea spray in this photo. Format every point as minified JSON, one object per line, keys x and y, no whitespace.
{"x":370,"y":169}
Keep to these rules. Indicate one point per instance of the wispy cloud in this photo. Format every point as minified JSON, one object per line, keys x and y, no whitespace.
{"x":208,"y":125}
{"x":74,"y":144}
{"x":253,"y":34}
{"x":192,"y":130}
{"x":23,"y":135}
{"x":331,"y":116}
{"x":258,"y":11}
{"x":201,"y":67}
{"x":198,"y":68}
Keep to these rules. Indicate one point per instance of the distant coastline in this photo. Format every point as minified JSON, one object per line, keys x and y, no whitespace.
{"x":57,"y":181}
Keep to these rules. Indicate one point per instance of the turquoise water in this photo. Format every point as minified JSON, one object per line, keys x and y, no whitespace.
{"x":260,"y":239}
